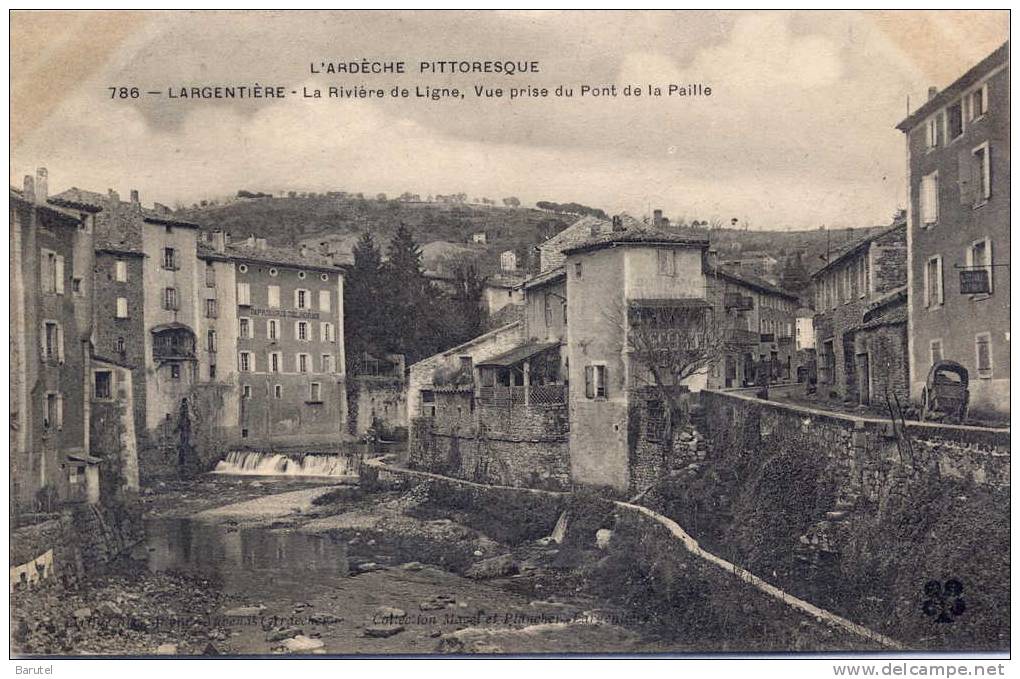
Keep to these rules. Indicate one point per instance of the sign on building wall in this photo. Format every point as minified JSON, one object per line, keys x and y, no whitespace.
{"x":974,"y":282}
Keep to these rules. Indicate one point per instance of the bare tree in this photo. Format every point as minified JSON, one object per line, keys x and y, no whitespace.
{"x":671,"y":343}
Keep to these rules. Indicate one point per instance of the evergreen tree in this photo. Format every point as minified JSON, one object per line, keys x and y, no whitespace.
{"x":364,"y":329}
{"x":410,"y":298}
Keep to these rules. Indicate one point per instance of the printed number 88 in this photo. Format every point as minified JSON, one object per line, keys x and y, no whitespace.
{"x":123,"y":92}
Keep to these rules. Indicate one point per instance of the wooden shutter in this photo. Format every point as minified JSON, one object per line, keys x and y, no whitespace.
{"x":60,"y":343}
{"x":58,"y":280}
{"x":589,"y":381}
{"x":989,"y":260}
{"x":60,"y":411}
{"x":601,"y":388}
{"x":941,"y":282}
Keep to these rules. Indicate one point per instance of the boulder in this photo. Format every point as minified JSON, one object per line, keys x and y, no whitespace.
{"x":602,"y":537}
{"x":302,"y":643}
{"x":282,"y":633}
{"x":495,"y":567}
{"x":383,"y":631}
{"x":166,"y":649}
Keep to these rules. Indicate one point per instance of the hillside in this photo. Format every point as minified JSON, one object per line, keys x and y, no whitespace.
{"x":340,"y":220}
{"x":288,"y":222}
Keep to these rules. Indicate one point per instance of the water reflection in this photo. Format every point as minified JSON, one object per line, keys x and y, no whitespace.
{"x":243,"y":558}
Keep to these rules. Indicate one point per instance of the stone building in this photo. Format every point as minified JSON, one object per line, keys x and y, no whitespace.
{"x":57,"y":424}
{"x":289,"y":345}
{"x":757,"y":318}
{"x":959,"y":294}
{"x":845,"y":290}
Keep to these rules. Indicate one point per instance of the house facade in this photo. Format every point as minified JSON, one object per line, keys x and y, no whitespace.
{"x":846,"y":290}
{"x":958,"y":145}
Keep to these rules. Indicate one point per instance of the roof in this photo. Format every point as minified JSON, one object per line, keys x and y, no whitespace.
{"x":755,"y":282}
{"x":550,"y":276}
{"x":672,"y":303}
{"x":894,"y":317}
{"x":976,"y":73}
{"x":281,"y":256}
{"x":644,"y":235}
{"x":518,"y":354}
{"x":172,"y":325}
{"x":50,"y":206}
{"x":857,"y":247}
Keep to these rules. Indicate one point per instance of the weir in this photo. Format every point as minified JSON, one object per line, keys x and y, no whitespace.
{"x":254,"y":463}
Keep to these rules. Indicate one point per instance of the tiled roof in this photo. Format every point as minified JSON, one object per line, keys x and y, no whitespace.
{"x":641,"y":235}
{"x":518,"y":354}
{"x":281,"y":256}
{"x":549,"y":276}
{"x":744,"y":278}
{"x":857,"y":246}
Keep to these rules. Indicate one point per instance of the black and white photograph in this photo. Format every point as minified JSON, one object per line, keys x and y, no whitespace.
{"x":510,"y":334}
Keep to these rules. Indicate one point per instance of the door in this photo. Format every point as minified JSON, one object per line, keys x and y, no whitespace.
{"x":864,"y":379}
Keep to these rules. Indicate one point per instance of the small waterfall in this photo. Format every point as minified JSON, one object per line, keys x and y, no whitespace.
{"x":276,"y":464}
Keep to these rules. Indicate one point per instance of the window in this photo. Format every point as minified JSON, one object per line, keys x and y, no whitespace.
{"x":976,"y":176}
{"x":979,"y":256}
{"x":655,"y":421}
{"x":547,"y":309}
{"x":278,"y":391}
{"x":246,"y":362}
{"x":76,"y":286}
{"x":246,"y":391}
{"x":170,"y":299}
{"x":595,"y":381}
{"x":272,"y":329}
{"x":564,"y":305}
{"x":120,"y":271}
{"x":119,"y":345}
{"x":983,"y":349}
{"x":243,"y":268}
{"x":212,"y":371}
{"x":300,"y":299}
{"x":302,"y":363}
{"x":323,"y":277}
{"x":122,"y":308}
{"x":934,"y":132}
{"x":577,"y":270}
{"x":315,"y":392}
{"x":53,"y":342}
{"x":954,"y":120}
{"x":53,"y":417}
{"x":327,"y":363}
{"x":210,"y":275}
{"x":326,"y":332}
{"x":324,"y":300}
{"x":52,"y":272}
{"x":274,"y":272}
{"x":977,"y":103}
{"x":301,"y":331}
{"x":275,"y":359}
{"x":667,"y":262}
{"x":933,"y":290}
{"x":244,"y":329}
{"x":936,"y":351}
{"x":244,"y":294}
{"x":102,"y":384}
{"x":169,"y":259}
{"x":274,"y":296}
{"x":301,"y":275}
{"x":210,"y":341}
{"x":211,"y":310}
{"x":930,"y":199}
{"x":175,"y":371}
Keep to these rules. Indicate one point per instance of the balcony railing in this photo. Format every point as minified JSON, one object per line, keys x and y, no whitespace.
{"x":741,"y":336}
{"x":536,"y":395}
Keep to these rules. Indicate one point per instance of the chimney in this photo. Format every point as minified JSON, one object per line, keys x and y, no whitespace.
{"x":932,"y":91}
{"x":29,"y":188}
{"x":618,"y":223}
{"x":656,"y":218}
{"x":219,"y":241}
{"x":113,"y":198}
{"x":42,"y":184}
{"x":712,"y":258}
{"x":260,"y":243}
{"x":134,"y":197}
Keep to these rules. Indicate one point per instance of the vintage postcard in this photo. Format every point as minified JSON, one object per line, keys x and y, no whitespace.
{"x":511,"y":333}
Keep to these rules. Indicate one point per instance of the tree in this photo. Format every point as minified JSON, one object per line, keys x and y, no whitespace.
{"x":467,"y":317}
{"x":410,"y":298}
{"x":669,"y":345}
{"x":363,"y":323}
{"x":512,"y":201}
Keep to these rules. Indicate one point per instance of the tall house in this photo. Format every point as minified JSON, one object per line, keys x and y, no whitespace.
{"x":290,"y":348}
{"x":612,"y":279}
{"x":958,"y":147}
{"x":50,"y":358}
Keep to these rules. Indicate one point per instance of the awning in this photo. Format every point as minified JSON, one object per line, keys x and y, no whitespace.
{"x":515,"y":356}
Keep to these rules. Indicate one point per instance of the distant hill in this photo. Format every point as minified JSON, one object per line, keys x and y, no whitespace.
{"x":288,"y":222}
{"x":340,"y":220}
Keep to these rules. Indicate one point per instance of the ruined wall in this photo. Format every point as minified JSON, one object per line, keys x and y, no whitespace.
{"x":371,"y":398}
{"x":855,"y":515}
{"x":512,"y":446}
{"x":886,"y":346}
{"x":653,"y":455}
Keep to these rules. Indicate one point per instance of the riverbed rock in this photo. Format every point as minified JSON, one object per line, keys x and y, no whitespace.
{"x":437,"y":603}
{"x":496,"y":567}
{"x":302,"y":644}
{"x":412,"y":566}
{"x":602,"y":538}
{"x":389,"y":613}
{"x":383,"y":631}
{"x":244,"y":611}
{"x":283,"y":633}
{"x":366,"y":567}
{"x":82,"y":613}
{"x":166,"y":649}
{"x":325,"y":619}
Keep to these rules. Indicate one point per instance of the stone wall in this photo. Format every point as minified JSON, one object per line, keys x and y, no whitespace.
{"x":652,"y":457}
{"x":524,"y":446}
{"x":371,"y":399}
{"x":857,"y":515}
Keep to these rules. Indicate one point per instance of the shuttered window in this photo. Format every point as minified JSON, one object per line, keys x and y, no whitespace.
{"x":274,"y":296}
{"x":930,"y":199}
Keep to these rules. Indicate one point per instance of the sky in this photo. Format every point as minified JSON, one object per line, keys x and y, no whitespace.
{"x":799,"y":130}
